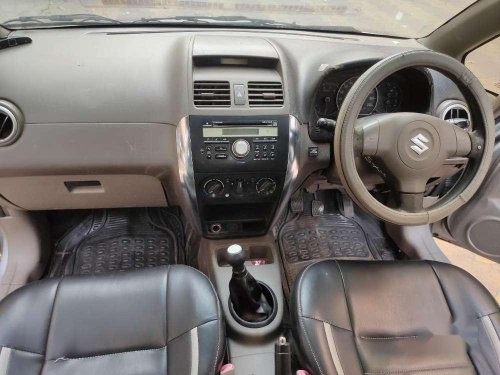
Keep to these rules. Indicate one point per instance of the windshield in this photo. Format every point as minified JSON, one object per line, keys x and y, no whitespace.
{"x":403,"y":18}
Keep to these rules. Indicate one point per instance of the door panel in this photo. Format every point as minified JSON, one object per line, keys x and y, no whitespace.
{"x":476,"y":225}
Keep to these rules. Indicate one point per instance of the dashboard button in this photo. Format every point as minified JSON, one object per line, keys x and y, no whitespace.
{"x":313,"y":152}
{"x":239,"y":94}
{"x":221,"y":156}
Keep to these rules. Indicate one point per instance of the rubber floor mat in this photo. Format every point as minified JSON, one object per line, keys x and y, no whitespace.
{"x":306,"y":239}
{"x":118,"y":240}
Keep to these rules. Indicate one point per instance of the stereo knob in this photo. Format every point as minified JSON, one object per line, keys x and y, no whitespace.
{"x":265,"y":186}
{"x":240,"y":148}
{"x":214,"y":188}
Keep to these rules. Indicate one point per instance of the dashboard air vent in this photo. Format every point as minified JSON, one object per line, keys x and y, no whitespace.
{"x":457,"y":114}
{"x":265,"y":94}
{"x":212,"y":94}
{"x":8,"y":126}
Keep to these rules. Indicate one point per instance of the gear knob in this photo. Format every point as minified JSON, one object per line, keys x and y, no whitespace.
{"x":236,"y":258}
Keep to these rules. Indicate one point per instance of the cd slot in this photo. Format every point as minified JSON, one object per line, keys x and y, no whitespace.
{"x":235,"y":132}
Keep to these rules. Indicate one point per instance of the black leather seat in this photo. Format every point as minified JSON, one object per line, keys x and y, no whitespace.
{"x":164,"y":320}
{"x":394,"y":318}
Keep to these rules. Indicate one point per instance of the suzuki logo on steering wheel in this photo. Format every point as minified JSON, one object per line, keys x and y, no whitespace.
{"x":419,"y":144}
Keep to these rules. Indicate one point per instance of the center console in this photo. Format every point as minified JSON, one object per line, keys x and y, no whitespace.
{"x":239,"y":165}
{"x":253,"y":314}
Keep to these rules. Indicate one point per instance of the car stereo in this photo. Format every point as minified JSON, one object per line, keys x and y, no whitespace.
{"x":239,"y":143}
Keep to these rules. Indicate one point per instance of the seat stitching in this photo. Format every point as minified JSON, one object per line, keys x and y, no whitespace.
{"x":190,"y":332}
{"x":217,"y":302}
{"x":336,"y":351}
{"x":389,"y":338}
{"x":50,"y":323}
{"x":344,"y":284}
{"x":166,"y":317}
{"x":209,"y":320}
{"x":487,"y":315}
{"x":7,"y":369}
{"x":445,"y":296}
{"x":301,"y":319}
{"x":219,"y":333}
{"x":405,"y":371}
{"x":21,"y":350}
{"x":490,"y":338}
{"x":64,"y":358}
{"x":326,"y":321}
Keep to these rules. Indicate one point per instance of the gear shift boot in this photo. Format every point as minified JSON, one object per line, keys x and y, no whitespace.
{"x":250,"y":300}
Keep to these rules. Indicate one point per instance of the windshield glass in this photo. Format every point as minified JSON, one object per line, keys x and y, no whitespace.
{"x":403,"y":18}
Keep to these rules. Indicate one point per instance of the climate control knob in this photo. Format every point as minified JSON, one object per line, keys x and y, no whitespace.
{"x":266,"y":186}
{"x":214,"y":188}
{"x":240,"y":148}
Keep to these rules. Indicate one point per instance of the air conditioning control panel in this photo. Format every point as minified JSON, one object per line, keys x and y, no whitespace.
{"x":237,"y":204}
{"x":229,"y":188}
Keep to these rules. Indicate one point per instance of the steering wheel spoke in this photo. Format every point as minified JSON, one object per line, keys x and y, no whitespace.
{"x":457,"y":161}
{"x":367,"y":136}
{"x":459,"y":141}
{"x":410,"y":202}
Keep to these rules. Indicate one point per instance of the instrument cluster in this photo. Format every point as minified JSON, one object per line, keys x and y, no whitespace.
{"x":385,"y":98}
{"x":408,"y":90}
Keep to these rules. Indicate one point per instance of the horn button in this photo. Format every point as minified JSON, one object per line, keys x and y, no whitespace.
{"x":419,"y":145}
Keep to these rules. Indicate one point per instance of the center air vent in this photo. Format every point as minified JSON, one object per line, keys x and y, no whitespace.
{"x":265,"y":94}
{"x":9,"y":127}
{"x":455,"y":112}
{"x":212,"y":94}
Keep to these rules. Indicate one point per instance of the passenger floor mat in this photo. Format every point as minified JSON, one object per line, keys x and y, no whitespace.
{"x":118,"y":240}
{"x":305,"y":239}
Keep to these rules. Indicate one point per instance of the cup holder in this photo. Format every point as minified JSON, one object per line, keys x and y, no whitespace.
{"x":271,"y":299}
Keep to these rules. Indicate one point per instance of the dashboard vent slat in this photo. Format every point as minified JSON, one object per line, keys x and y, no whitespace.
{"x":457,"y":114}
{"x":265,"y":94}
{"x":8,"y":126}
{"x":212,"y":94}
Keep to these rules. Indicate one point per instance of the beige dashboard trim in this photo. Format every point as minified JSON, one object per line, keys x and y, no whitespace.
{"x":51,"y":192}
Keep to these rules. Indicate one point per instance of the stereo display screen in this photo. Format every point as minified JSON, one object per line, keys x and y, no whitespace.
{"x":240,"y":132}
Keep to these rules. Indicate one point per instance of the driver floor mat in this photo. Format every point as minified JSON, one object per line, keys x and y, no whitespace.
{"x":114,"y":240}
{"x":307,"y":239}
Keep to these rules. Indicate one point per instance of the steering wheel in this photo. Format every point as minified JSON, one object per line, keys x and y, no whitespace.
{"x":407,"y":149}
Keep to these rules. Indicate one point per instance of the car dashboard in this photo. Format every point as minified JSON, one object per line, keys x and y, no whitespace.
{"x":219,"y":122}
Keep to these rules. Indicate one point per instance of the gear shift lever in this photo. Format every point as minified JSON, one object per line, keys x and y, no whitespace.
{"x":247,"y":298}
{"x":236,"y":258}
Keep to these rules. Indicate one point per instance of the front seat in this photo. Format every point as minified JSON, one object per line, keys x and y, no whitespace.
{"x":404,"y":318}
{"x":164,"y":320}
